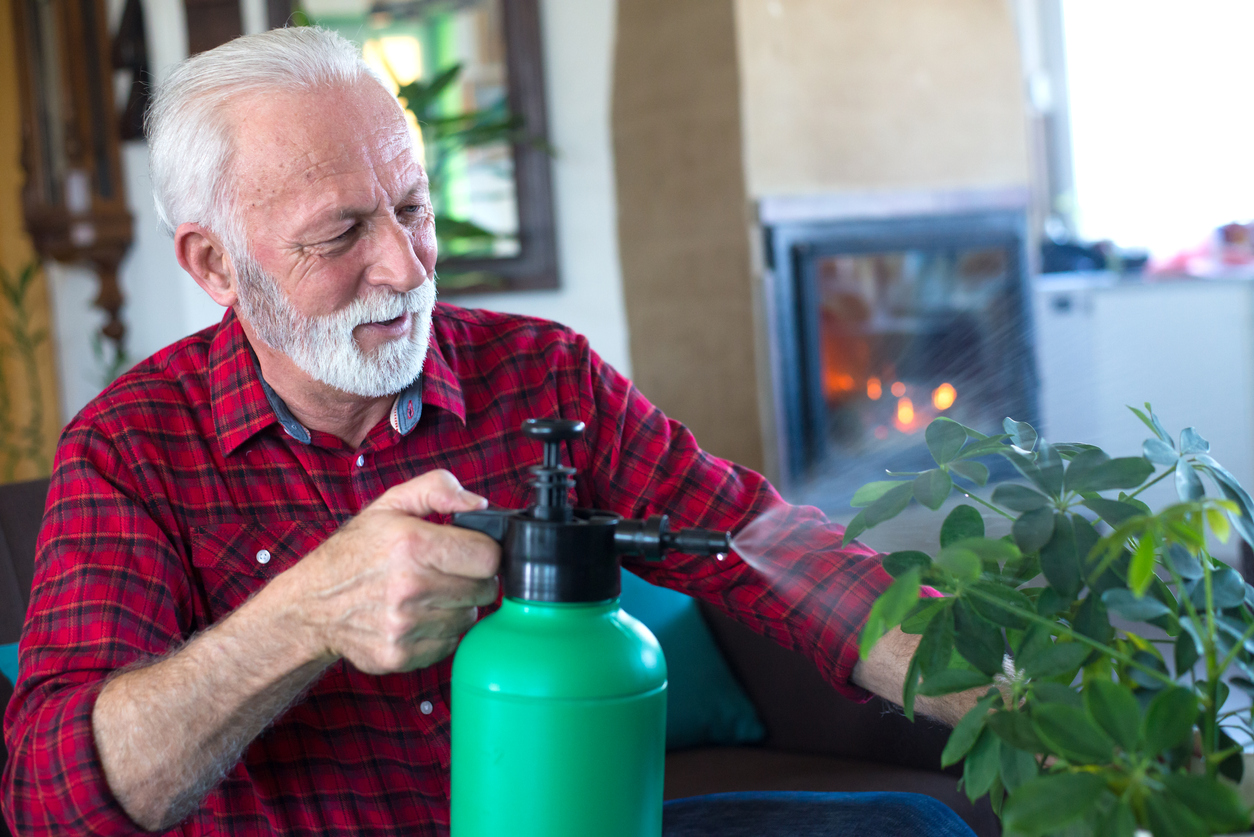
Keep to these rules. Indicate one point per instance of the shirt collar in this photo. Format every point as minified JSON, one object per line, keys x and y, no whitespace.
{"x":244,"y":404}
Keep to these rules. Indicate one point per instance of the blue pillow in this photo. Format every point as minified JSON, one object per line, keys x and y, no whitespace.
{"x":705,"y":704}
{"x":8,"y":661}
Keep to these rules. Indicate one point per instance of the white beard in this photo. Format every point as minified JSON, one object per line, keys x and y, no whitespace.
{"x":324,"y":347}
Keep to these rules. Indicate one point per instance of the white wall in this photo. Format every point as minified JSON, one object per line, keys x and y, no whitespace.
{"x":164,"y":304}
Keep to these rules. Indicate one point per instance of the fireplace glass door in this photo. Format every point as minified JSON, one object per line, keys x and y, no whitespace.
{"x":896,"y":323}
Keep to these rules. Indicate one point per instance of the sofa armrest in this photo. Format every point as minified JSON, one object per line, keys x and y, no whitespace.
{"x":803,"y":714}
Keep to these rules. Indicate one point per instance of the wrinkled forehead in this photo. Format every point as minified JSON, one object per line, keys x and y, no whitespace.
{"x":306,"y":134}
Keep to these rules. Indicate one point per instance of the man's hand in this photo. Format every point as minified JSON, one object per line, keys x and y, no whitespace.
{"x":389,"y":592}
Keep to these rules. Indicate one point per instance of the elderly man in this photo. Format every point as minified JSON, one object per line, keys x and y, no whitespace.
{"x":245,"y":599}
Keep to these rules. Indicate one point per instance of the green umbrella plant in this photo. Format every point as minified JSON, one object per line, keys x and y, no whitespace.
{"x":1105,"y":635}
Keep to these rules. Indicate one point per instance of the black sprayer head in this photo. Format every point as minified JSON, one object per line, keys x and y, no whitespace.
{"x":551,"y":552}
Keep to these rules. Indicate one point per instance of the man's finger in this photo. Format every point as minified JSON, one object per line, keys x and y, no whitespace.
{"x":435,"y":492}
{"x":446,"y":592}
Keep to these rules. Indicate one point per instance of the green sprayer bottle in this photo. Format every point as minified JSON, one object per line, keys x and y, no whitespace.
{"x":559,"y":698}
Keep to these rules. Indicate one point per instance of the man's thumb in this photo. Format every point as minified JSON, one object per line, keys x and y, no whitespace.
{"x":435,"y":492}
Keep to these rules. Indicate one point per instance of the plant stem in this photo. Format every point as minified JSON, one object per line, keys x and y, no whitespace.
{"x":1154,"y":481}
{"x":1063,"y":629}
{"x":983,"y":502}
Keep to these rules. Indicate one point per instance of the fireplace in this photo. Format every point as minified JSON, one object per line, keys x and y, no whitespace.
{"x":882,"y":318}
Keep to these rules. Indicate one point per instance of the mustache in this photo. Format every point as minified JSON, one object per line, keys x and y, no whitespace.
{"x":383,"y":305}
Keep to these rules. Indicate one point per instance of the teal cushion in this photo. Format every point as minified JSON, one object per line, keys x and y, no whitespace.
{"x":8,"y":661}
{"x":705,"y":704}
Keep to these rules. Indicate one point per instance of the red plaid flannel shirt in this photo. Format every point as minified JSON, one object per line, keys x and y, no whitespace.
{"x":168,"y":486}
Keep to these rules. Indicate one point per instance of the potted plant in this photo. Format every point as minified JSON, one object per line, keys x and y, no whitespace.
{"x":1104,"y":633}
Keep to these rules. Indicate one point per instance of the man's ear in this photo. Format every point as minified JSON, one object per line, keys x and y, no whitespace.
{"x":200,"y":252}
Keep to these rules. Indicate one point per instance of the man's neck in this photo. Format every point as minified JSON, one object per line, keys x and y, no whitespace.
{"x":314,"y":404}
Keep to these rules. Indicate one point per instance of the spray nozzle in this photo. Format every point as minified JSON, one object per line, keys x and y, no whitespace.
{"x":553,"y":480}
{"x":649,"y":539}
{"x":552,"y":552}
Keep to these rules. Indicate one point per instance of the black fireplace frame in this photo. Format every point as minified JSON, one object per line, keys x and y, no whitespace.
{"x":793,"y":249}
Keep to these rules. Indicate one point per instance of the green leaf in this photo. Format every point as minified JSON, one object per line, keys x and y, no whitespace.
{"x":978,"y":641}
{"x":999,"y":611}
{"x":888,"y":506}
{"x":889,"y":609}
{"x":1188,"y":483}
{"x":952,"y":680}
{"x":856,"y":527}
{"x":936,"y":646}
{"x":1192,"y":442}
{"x":1159,"y":452}
{"x":961,"y":523}
{"x":1033,"y":529}
{"x":1124,"y":472}
{"x":964,"y":735}
{"x":945,"y":437}
{"x":921,"y":614}
{"x":1186,"y":651}
{"x":1021,"y":434}
{"x":982,"y":765}
{"x":1131,"y":606}
{"x":872,"y":491}
{"x":1114,"y":512}
{"x":1169,"y":816}
{"x":1185,"y":563}
{"x":1141,"y":570}
{"x":1019,"y":497}
{"x":1049,"y":802}
{"x":1070,"y":733}
{"x":931,"y":488}
{"x":1214,"y":802}
{"x":1081,"y":467}
{"x":1015,"y":728}
{"x":1060,"y":561}
{"x":899,"y":563}
{"x":1115,"y":710}
{"x":1086,"y":538}
{"x":1053,"y":659}
{"x":1048,"y":691}
{"x":1227,"y":588}
{"x":1168,"y":722}
{"x":1050,"y":465}
{"x":977,"y":472}
{"x":1017,"y":767}
{"x":1092,"y":620}
{"x":961,"y":563}
{"x":1119,"y":821}
{"x":910,"y":688}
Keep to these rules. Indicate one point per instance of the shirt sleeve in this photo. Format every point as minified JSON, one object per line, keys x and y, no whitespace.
{"x":787,"y":578}
{"x":110,"y":590}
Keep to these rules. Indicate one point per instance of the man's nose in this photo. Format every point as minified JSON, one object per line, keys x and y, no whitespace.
{"x":395,"y":262}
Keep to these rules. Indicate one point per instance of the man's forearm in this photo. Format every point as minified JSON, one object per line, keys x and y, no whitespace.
{"x":166,"y":733}
{"x":884,"y":673}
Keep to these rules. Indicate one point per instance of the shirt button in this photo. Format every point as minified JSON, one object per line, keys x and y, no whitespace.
{"x":426,"y":707}
{"x":263,"y":556}
{"x":361,"y":460}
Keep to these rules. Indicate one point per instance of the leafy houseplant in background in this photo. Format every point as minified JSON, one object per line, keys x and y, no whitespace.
{"x":1086,"y":726}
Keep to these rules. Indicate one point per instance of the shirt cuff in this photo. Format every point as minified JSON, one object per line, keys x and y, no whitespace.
{"x":54,"y":782}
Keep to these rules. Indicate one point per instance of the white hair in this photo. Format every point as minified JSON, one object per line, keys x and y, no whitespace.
{"x":191,"y":132}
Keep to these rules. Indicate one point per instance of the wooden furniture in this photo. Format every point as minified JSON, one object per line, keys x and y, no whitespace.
{"x":73,"y":200}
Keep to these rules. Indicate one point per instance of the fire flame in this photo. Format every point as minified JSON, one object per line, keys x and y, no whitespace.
{"x":943,"y":396}
{"x":905,"y":412}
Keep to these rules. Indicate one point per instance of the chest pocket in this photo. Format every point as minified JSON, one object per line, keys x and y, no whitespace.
{"x":236,"y":559}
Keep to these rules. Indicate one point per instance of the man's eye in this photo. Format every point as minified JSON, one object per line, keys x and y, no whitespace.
{"x":415,"y":210}
{"x":344,"y":236}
